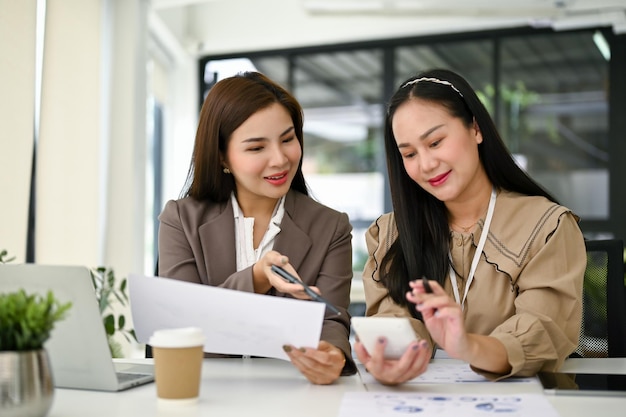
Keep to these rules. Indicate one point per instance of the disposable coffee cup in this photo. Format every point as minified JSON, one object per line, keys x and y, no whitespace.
{"x":177,"y":363}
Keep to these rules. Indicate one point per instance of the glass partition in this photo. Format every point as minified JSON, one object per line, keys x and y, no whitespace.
{"x":341,"y":94}
{"x":554,"y":107}
{"x":547,"y":92}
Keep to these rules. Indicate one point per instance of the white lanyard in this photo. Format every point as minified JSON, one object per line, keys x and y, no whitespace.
{"x":479,"y":250}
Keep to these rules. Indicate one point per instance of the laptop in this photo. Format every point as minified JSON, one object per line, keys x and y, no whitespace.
{"x":77,"y":348}
{"x":567,"y":383}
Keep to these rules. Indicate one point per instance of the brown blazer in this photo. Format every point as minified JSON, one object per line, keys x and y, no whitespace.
{"x":197,"y":244}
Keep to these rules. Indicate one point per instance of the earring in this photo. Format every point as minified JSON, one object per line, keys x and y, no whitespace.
{"x":226,"y":170}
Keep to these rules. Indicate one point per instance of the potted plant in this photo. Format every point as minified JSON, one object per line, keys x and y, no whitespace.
{"x":26,"y":381}
{"x":108,"y":291}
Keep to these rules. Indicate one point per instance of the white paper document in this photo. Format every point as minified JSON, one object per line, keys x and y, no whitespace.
{"x":384,"y":404}
{"x":446,"y":373}
{"x":234,"y":322}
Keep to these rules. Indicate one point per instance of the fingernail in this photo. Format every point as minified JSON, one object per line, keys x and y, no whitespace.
{"x":287,"y":348}
{"x":381,"y":340}
{"x":283,"y":260}
{"x":303,"y":350}
{"x":415,"y":346}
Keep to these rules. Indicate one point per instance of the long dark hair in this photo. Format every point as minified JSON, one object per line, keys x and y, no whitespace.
{"x":228,"y":104}
{"x":422,"y":246}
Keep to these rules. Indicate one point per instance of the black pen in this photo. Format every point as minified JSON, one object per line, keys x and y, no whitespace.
{"x":427,"y":287}
{"x":315,"y":296}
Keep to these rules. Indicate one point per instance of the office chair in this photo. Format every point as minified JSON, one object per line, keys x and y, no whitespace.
{"x":603,"y":327}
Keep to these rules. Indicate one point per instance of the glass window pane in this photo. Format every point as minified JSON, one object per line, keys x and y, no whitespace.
{"x":341,"y":94}
{"x":275,"y":67}
{"x":472,"y":59}
{"x":555,"y":116}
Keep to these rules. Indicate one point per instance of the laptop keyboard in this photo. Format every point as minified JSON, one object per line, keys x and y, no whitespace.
{"x":125,"y":376}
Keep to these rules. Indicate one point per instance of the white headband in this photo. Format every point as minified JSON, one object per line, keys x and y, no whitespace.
{"x":433,"y":80}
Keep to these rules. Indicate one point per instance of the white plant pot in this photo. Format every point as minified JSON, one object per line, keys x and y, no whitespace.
{"x":26,"y":384}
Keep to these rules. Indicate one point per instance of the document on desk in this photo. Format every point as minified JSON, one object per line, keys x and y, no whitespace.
{"x":387,"y":403}
{"x":234,"y":322}
{"x":446,"y":373}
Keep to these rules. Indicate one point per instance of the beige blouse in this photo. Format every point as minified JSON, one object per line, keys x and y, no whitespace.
{"x":527,"y":289}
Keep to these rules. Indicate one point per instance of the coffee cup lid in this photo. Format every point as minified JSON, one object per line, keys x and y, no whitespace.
{"x":179,"y":337}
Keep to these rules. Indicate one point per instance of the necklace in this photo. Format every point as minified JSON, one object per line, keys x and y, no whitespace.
{"x":465,"y":229}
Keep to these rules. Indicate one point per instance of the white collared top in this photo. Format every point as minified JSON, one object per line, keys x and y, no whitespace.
{"x":244,"y":240}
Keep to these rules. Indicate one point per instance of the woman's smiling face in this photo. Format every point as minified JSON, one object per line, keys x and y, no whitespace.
{"x":440,"y":153}
{"x":263,"y":154}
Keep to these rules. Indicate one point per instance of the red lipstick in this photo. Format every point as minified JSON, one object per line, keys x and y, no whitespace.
{"x":439,"y":179}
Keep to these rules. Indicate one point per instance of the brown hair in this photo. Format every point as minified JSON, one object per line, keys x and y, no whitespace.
{"x":228,"y":104}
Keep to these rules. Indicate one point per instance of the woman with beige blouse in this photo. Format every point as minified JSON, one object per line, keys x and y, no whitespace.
{"x":505,"y":261}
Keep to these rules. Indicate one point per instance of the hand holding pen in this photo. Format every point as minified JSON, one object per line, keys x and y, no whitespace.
{"x":418,"y":288}
{"x":432,"y":301}
{"x":442,"y":316}
{"x":315,"y":296}
{"x":265,"y":279}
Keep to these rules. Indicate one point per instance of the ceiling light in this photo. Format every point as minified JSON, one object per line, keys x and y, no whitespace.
{"x":602,"y":45}
{"x":219,"y":69}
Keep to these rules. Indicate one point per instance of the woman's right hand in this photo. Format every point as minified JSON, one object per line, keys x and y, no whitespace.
{"x":413,"y":362}
{"x":263,"y":269}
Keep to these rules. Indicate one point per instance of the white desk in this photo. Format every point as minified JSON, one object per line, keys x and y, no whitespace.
{"x":229,"y":387}
{"x":269,"y":387}
{"x":566,"y":405}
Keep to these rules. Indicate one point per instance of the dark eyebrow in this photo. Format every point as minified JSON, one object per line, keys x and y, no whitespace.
{"x":288,"y":130}
{"x":429,"y":131}
{"x":261,"y":139}
{"x":422,"y":136}
{"x":250,"y":140}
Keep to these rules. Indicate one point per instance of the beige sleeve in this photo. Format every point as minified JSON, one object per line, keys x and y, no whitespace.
{"x":545,"y":328}
{"x":379,"y":237}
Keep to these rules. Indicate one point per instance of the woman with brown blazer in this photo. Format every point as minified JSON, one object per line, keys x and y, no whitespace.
{"x":246,"y":207}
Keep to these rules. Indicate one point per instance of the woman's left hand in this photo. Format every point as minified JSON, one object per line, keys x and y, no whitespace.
{"x":320,"y":366}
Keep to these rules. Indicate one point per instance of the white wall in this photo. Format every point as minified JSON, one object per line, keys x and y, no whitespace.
{"x":17,"y":97}
{"x":92,"y":143}
{"x":226,"y":26}
{"x":230,"y":26}
{"x":68,"y":194}
{"x":91,"y":157}
{"x":178,"y":92}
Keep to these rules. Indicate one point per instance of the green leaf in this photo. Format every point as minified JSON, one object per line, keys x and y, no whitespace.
{"x":109,"y":324}
{"x":108,"y":292}
{"x":26,"y":320}
{"x":3,"y":259}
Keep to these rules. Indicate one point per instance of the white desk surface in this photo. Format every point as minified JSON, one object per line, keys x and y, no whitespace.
{"x":229,"y":387}
{"x":271,"y":387}
{"x":565,"y":405}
